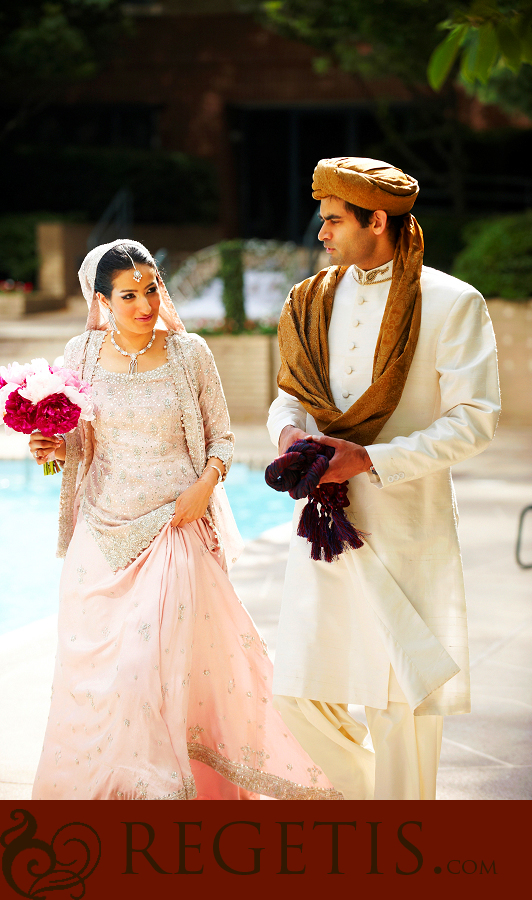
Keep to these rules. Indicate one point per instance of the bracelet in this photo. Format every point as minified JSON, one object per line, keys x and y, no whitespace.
{"x":220,"y":473}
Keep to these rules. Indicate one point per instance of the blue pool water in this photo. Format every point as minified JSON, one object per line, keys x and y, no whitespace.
{"x":29,"y":570}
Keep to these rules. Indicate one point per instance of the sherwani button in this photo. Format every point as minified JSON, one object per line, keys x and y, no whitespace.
{"x":348,"y":369}
{"x":355,"y":323}
{"x":345,"y":394}
{"x":353,"y":346}
{"x":361,"y":301}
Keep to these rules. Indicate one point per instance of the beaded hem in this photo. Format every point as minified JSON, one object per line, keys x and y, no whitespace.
{"x":221,"y":451}
{"x":74,"y":455}
{"x":187,"y":792}
{"x":258,"y":782}
{"x":122,"y":545}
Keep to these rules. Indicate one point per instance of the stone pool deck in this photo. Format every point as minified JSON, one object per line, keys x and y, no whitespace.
{"x":485,"y":755}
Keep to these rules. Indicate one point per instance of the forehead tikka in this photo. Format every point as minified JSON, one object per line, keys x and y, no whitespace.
{"x":137,"y":275}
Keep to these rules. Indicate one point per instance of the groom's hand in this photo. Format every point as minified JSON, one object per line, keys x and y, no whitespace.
{"x":289,"y":435}
{"x":349,"y":460}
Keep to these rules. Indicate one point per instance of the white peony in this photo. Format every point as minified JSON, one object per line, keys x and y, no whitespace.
{"x":41,"y":384}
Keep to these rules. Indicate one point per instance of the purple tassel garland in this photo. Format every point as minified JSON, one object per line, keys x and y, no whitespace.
{"x":323,"y":521}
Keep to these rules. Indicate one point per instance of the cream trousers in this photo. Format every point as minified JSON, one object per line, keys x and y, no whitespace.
{"x":403,"y":764}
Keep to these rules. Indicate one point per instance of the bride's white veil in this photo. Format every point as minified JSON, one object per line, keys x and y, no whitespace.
{"x":97,"y":317}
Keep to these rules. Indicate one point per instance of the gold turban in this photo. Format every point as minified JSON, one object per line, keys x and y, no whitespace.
{"x":369,"y":183}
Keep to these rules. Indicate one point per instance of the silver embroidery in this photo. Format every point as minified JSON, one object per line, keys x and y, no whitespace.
{"x":191,"y":369}
{"x":145,"y":631}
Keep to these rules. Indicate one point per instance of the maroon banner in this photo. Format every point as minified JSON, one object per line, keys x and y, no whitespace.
{"x":152,"y":850}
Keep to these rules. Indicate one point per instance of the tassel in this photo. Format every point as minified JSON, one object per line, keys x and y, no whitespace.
{"x":322,"y":522}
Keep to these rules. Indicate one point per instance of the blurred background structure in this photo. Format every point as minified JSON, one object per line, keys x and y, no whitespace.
{"x":195,"y":128}
{"x":189,"y":126}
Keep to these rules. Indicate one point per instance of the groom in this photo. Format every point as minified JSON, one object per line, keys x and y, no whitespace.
{"x":394,"y":365}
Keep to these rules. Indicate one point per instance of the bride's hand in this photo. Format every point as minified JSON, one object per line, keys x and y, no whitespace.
{"x":44,"y":448}
{"x":192,"y":503}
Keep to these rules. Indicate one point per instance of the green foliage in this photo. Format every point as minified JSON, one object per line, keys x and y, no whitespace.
{"x":251,"y":326}
{"x":381,"y":37}
{"x":46,"y":45}
{"x":497,"y":258}
{"x":511,"y":92}
{"x":232,"y":275}
{"x":443,"y":57}
{"x":404,"y":37}
{"x":18,"y":250}
{"x":167,"y":187}
{"x":486,"y":36}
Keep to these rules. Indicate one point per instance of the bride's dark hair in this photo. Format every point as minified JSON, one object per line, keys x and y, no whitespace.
{"x":117,"y":260}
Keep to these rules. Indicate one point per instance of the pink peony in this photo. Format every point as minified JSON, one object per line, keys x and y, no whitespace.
{"x":70,"y":378}
{"x":15,"y":373}
{"x":20,"y":413}
{"x":55,"y":414}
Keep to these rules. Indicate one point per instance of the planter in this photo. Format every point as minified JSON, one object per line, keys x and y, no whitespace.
{"x":248,"y":366}
{"x":512,"y":323}
{"x":16,"y":304}
{"x":12,"y":304}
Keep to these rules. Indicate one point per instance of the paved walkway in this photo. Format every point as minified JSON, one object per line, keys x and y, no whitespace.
{"x":485,"y":755}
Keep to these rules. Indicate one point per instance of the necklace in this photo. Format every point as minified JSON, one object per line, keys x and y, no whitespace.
{"x":133,"y":369}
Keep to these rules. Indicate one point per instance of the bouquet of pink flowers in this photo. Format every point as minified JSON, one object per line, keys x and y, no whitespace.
{"x":40,"y":397}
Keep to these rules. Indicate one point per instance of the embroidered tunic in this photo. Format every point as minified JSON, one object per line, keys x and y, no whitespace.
{"x":141,"y":461}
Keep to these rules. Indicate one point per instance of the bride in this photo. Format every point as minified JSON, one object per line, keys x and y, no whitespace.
{"x":162,"y":686}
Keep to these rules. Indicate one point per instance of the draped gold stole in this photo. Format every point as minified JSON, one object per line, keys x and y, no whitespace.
{"x":303,"y":341}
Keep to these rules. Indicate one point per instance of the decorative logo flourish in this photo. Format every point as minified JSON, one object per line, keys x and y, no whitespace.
{"x":34,"y":868}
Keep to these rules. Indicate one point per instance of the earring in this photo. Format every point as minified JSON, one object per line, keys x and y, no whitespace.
{"x":112,"y":322}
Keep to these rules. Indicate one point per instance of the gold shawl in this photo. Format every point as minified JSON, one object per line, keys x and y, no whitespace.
{"x":303,"y":341}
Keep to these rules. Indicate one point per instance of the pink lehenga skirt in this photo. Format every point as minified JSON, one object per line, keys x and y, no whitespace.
{"x":162,"y":685}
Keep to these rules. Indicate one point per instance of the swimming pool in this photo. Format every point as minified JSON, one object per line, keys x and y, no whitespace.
{"x":29,"y":570}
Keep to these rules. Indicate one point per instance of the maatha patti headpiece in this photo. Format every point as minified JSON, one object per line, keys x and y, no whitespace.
{"x":137,"y":275}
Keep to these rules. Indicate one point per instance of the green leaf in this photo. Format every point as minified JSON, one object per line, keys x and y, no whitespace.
{"x":469,"y":58}
{"x":526,"y":45}
{"x":487,"y":52}
{"x":510,"y":46}
{"x":321,"y":65}
{"x":443,"y":57}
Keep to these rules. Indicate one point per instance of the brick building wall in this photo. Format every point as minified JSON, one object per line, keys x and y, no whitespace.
{"x":195,"y":68}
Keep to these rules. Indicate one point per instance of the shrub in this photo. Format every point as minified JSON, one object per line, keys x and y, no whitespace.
{"x":18,"y":250}
{"x":232,"y":275}
{"x":497,"y":258}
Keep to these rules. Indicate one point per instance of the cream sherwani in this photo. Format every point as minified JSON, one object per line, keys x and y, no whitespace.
{"x":399,"y":600}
